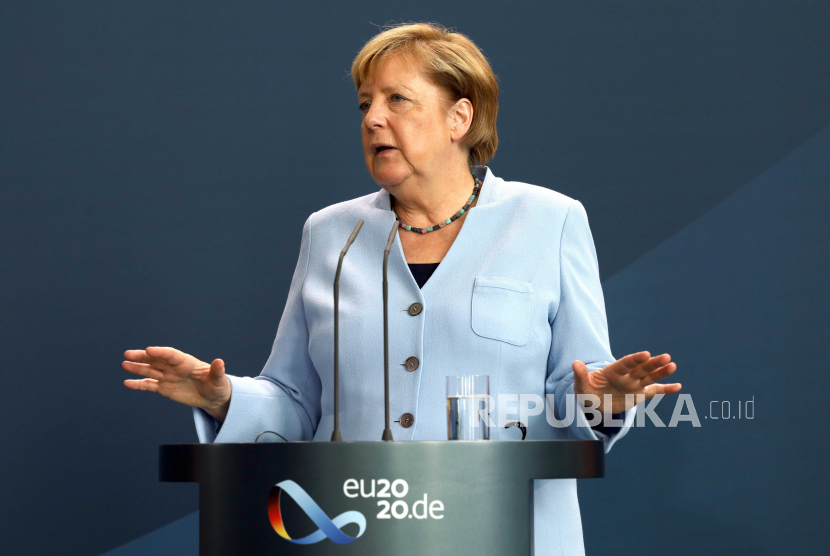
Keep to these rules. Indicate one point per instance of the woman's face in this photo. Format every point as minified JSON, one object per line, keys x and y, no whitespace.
{"x":407,"y":124}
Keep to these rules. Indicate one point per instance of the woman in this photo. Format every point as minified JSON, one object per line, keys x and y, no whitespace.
{"x":485,"y":277}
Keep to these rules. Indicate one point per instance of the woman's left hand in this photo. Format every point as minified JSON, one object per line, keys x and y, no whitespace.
{"x":633,"y":374}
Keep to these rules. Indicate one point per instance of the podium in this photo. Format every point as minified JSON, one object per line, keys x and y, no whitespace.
{"x":373,"y":498}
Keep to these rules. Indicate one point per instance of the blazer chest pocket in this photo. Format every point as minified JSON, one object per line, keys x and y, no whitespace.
{"x":502,"y":309}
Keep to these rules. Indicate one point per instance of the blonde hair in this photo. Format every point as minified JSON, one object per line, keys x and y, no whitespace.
{"x":453,"y":62}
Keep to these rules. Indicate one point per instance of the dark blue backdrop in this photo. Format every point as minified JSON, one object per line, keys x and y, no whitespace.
{"x":157,"y":161}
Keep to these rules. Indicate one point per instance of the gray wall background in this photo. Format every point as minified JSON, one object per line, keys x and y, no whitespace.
{"x":158,"y":160}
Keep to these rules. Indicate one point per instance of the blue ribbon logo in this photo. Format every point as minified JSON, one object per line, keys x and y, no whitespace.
{"x":327,"y":527}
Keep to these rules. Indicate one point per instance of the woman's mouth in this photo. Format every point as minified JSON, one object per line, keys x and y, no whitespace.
{"x":384,"y":150}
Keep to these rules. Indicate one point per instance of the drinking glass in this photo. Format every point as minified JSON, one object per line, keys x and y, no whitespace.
{"x":467,"y":399}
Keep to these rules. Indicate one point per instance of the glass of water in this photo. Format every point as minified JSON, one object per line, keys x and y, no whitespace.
{"x":467,"y":407}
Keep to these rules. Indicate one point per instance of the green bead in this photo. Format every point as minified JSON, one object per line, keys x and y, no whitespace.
{"x":448,"y":221}
{"x":461,"y":211}
{"x":429,"y":229}
{"x":472,"y":197}
{"x":409,"y":228}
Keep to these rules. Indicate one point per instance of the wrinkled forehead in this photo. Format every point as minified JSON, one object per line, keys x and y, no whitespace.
{"x":414,"y":80}
{"x":371,"y":66}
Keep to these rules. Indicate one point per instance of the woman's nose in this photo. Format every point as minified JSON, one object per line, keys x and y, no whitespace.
{"x":375,"y":117}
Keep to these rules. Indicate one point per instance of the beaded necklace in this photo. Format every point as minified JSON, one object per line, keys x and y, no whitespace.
{"x":449,"y":220}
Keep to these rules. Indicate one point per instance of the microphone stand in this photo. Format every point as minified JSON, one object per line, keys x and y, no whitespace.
{"x":335,"y":435}
{"x":387,"y":432}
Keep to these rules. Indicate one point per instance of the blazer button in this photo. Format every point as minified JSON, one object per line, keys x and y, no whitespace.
{"x":415,"y":309}
{"x":407,"y":420}
{"x":411,"y":363}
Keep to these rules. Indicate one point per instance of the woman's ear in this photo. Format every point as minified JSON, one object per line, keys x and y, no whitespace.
{"x":462,"y":117}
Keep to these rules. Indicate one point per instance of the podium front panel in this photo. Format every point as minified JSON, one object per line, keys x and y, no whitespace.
{"x":368,"y":498}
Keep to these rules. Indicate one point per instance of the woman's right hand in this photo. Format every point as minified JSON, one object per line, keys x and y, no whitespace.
{"x":180,"y":377}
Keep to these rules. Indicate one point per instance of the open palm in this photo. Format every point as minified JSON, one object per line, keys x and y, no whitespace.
{"x":634,"y":374}
{"x":180,"y":377}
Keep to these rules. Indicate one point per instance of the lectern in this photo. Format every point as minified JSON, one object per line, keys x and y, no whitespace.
{"x":373,"y":498}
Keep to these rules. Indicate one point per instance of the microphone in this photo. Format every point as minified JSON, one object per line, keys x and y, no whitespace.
{"x":335,"y":435}
{"x":387,"y":432}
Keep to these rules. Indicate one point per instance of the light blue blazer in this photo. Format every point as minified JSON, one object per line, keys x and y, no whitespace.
{"x":517,"y":297}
